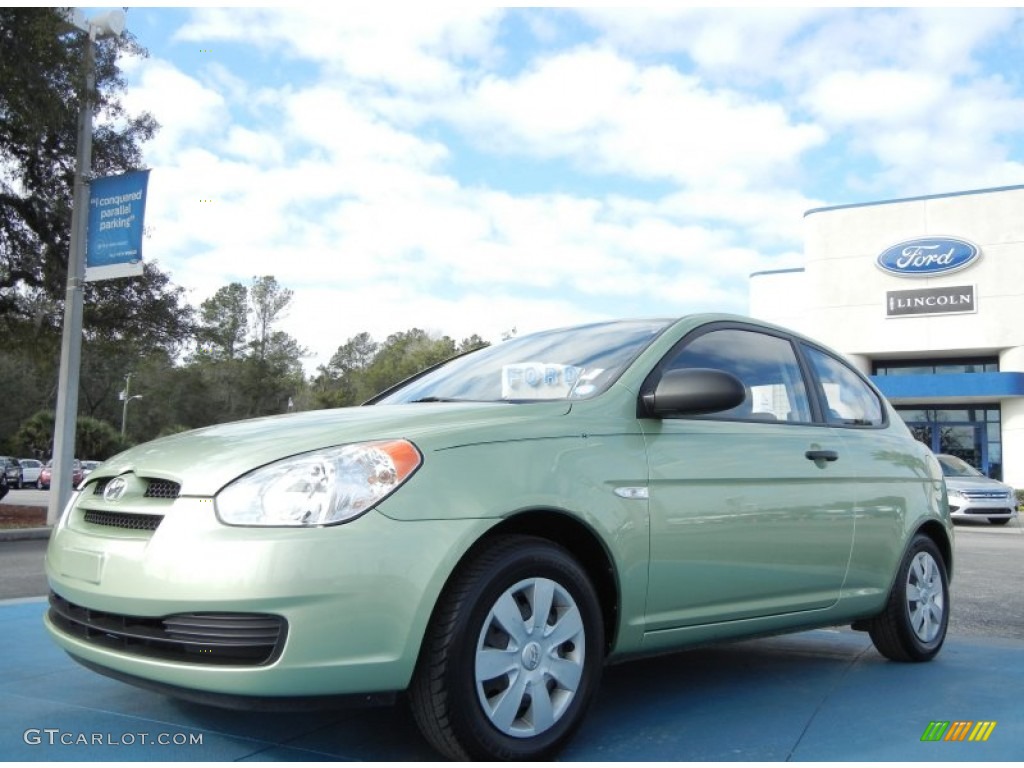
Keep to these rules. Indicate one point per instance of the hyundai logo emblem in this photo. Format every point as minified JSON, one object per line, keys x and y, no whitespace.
{"x":115,"y":489}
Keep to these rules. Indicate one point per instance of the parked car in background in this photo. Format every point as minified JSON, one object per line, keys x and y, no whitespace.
{"x":88,"y":466}
{"x":972,"y":495}
{"x":77,"y":474}
{"x":482,"y":537}
{"x":11,"y":468}
{"x":30,"y":469}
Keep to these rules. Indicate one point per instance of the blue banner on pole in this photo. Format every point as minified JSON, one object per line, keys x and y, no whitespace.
{"x":117,"y":208}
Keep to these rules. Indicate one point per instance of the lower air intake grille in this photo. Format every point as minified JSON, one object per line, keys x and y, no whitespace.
{"x":217,"y":639}
{"x":123,"y":520}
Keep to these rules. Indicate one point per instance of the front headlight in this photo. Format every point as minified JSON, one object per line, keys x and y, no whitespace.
{"x":954,"y":493}
{"x":324,"y":487}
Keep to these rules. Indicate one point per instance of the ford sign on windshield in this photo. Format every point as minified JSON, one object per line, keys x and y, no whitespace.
{"x":928,"y":256}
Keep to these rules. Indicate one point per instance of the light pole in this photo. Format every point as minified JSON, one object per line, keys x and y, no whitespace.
{"x":127,"y":399}
{"x":107,"y":24}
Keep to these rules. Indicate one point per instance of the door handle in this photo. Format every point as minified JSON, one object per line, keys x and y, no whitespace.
{"x":822,"y":455}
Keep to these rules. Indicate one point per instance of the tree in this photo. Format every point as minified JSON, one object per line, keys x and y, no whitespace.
{"x":337,"y":383}
{"x":94,"y":438}
{"x":35,"y":436}
{"x":125,"y":320}
{"x":471,"y":343}
{"x":41,"y":68}
{"x":224,"y":323}
{"x":361,"y":367}
{"x":273,"y":369}
{"x":243,"y":365}
{"x":404,"y":354}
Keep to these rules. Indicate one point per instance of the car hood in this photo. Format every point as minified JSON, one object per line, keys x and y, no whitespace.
{"x":204,"y":460}
{"x":976,"y":484}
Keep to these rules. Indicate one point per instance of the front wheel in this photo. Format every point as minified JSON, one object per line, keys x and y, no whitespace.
{"x":513,"y":656}
{"x":913,"y":625}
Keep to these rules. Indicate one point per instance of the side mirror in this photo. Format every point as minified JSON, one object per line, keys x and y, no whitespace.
{"x":692,"y":392}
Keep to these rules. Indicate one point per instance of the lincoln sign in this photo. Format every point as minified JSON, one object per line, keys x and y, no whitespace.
{"x":931,"y":301}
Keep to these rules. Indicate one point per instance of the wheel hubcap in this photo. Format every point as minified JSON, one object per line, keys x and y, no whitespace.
{"x":529,"y":657}
{"x":926,"y":599}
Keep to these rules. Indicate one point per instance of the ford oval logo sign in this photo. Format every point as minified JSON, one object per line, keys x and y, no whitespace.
{"x":928,"y":256}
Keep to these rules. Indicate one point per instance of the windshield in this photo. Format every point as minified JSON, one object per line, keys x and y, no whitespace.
{"x":564,"y":364}
{"x":954,"y":467}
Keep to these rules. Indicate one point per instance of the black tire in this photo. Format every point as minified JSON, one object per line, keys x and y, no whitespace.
{"x":460,"y":714}
{"x":999,"y":520}
{"x":913,"y":625}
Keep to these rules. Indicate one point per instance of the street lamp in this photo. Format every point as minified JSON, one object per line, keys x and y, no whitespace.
{"x":126,"y":398}
{"x":104,"y":25}
{"x":124,"y":411}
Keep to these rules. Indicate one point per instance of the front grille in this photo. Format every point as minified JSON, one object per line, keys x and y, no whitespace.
{"x":218,"y":639}
{"x":125,"y":520}
{"x":155,"y":489}
{"x":162,"y":489}
{"x":986,"y":495}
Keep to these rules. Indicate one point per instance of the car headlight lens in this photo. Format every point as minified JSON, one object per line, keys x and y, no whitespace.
{"x":323,"y":487}
{"x":954,"y":493}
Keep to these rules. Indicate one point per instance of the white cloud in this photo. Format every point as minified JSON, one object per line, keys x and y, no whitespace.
{"x":665,"y":156}
{"x":415,"y":48}
{"x":878,"y":98}
{"x":611,"y":115}
{"x":187,"y":110}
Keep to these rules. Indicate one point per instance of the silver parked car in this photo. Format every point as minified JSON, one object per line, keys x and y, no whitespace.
{"x":972,"y":495}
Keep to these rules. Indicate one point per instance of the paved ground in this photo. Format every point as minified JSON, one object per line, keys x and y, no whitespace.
{"x":821,"y":695}
{"x":815,"y":696}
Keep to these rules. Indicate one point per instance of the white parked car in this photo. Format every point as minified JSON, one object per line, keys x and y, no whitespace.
{"x":973,"y":495}
{"x":30,"y":469}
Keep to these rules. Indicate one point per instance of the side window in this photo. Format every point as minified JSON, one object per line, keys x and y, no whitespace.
{"x":848,"y":400}
{"x":766,"y":365}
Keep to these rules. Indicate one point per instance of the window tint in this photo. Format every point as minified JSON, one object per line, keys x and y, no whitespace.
{"x":765,"y":364}
{"x":848,"y":399}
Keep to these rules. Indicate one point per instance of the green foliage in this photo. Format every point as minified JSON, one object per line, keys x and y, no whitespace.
{"x":224,"y":324}
{"x":35,"y":436}
{"x":361,"y":368}
{"x":41,"y":68}
{"x":94,"y":439}
{"x":239,"y":362}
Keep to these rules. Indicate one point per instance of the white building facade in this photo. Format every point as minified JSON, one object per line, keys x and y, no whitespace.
{"x":925,"y":295}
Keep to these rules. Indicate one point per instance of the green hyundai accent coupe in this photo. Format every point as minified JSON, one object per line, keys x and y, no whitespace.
{"x":489,"y":534}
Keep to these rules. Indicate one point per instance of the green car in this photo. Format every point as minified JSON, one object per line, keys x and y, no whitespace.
{"x":486,"y":536}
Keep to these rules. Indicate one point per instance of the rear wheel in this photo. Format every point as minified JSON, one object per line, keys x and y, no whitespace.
{"x":513,"y":655}
{"x":913,"y":625}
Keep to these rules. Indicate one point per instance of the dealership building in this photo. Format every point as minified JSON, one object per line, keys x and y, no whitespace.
{"x":926,"y":296}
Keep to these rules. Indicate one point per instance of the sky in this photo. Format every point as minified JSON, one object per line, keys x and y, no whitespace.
{"x":479,"y":169}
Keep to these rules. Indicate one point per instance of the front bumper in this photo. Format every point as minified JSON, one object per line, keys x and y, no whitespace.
{"x":965,"y":508}
{"x":355,"y":599}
